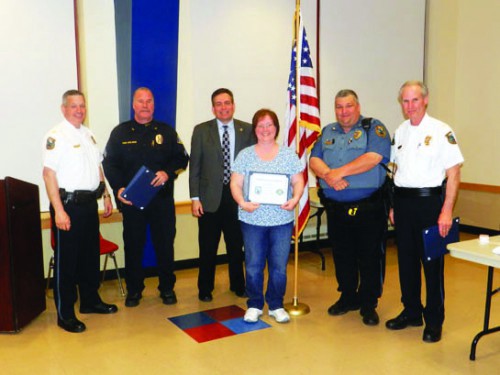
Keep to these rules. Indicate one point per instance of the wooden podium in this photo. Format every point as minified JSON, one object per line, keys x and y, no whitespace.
{"x":22,"y":292}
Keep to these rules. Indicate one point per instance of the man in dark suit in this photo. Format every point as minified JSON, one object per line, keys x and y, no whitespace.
{"x":212,"y":202}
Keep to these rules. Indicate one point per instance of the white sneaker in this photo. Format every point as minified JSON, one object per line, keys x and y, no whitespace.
{"x":252,"y":315}
{"x":280,"y":315}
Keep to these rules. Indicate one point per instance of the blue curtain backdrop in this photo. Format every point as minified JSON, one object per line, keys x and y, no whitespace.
{"x":147,"y":36}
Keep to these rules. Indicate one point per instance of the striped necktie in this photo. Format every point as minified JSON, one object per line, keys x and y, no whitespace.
{"x":226,"y":152}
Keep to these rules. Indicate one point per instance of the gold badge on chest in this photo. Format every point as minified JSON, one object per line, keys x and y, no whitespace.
{"x":159,"y":139}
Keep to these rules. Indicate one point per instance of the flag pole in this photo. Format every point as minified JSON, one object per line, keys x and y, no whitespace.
{"x":295,"y":308}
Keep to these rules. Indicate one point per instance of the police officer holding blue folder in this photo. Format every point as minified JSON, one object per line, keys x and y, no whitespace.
{"x":132,"y":144}
{"x":425,"y":152}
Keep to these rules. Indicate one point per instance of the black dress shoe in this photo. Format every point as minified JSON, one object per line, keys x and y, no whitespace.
{"x":370,"y":316}
{"x":341,"y":307}
{"x":169,"y":298}
{"x":100,"y":308}
{"x":402,"y":321}
{"x":71,"y":325}
{"x":133,"y":299}
{"x":241,"y":293}
{"x":432,"y":334}
{"x":205,"y":297}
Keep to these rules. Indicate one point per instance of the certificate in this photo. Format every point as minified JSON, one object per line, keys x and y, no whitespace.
{"x":268,"y":188}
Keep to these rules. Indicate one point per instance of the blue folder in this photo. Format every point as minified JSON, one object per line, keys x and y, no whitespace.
{"x":139,"y":190}
{"x":434,"y":244}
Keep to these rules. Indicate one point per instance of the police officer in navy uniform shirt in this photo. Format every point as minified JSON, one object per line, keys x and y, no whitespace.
{"x":425,"y":152}
{"x":347,"y":158}
{"x":74,"y":181}
{"x":132,"y":144}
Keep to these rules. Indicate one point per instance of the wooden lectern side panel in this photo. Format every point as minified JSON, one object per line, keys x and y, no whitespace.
{"x":22,"y":208}
{"x":6,"y":302}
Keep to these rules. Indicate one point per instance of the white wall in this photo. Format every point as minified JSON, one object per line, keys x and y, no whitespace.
{"x":243,"y":45}
{"x":464,"y":80}
{"x":463,"y":63}
{"x":371,"y":47}
{"x":477,"y":89}
{"x":37,"y":64}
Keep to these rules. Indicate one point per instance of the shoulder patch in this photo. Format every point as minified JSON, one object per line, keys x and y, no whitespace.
{"x":380,"y":131}
{"x":451,"y":138}
{"x":51,"y":143}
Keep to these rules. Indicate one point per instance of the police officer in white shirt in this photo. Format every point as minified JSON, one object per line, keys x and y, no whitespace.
{"x":427,"y":177}
{"x":74,"y":181}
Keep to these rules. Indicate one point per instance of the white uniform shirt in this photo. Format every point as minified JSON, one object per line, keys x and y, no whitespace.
{"x":73,"y":154}
{"x":422,"y":153}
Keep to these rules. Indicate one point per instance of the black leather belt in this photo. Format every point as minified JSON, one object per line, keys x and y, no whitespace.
{"x":81,"y":196}
{"x":418,"y":192}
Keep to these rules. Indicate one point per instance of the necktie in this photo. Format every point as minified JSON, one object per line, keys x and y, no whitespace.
{"x":226,"y":152}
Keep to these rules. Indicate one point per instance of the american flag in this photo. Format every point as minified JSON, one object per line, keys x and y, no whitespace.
{"x":305,"y":96}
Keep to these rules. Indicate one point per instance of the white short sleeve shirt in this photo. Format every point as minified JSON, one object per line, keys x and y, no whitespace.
{"x":423,"y":153}
{"x":73,"y":154}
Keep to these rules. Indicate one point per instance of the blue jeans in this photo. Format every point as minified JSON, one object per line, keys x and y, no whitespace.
{"x":271,"y":244}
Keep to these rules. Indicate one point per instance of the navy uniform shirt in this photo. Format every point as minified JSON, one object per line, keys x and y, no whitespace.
{"x":154,"y":145}
{"x":337,"y":148}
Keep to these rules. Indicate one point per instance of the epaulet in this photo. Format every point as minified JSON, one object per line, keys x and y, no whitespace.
{"x":366,"y":123}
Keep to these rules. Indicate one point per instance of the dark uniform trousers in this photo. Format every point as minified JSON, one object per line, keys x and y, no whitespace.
{"x":160,"y":215}
{"x":77,"y":260}
{"x":210,"y":226}
{"x":357,"y":233}
{"x":411,"y":215}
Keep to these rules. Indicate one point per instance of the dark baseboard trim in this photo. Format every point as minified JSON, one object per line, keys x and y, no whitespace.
{"x":477,"y":230}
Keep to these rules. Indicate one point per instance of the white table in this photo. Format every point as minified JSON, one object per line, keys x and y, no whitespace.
{"x":475,"y":252}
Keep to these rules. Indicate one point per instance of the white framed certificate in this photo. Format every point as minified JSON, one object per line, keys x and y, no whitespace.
{"x":268,"y":188}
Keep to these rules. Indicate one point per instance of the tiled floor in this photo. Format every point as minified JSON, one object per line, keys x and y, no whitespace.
{"x":141,"y":340}
{"x":216,"y":323}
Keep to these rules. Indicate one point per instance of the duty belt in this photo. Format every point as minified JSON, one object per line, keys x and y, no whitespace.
{"x":372,"y":200}
{"x":417,"y":192}
{"x":81,"y":196}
